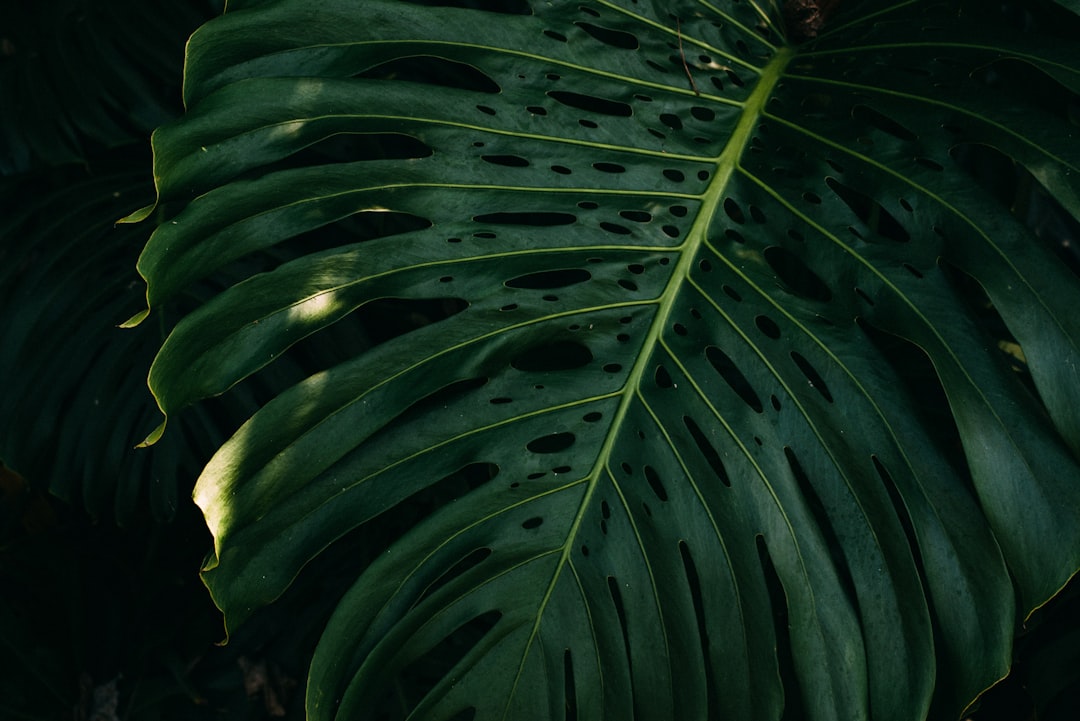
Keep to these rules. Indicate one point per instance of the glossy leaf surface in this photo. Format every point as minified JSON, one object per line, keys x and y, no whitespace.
{"x":746,"y":391}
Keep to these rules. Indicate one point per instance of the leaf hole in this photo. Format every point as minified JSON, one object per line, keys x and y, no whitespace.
{"x":556,"y":356}
{"x":469,"y":561}
{"x":620,"y":612}
{"x":705,"y":115}
{"x":913,"y":270}
{"x":531,"y":523}
{"x":551,"y":443}
{"x":387,"y":318}
{"x":657,"y":486}
{"x":510,"y":161}
{"x":675,"y":176}
{"x":662,"y":378}
{"x":767,"y":326}
{"x":672,"y":121}
{"x":731,"y":374}
{"x":812,"y":376}
{"x":929,"y":163}
{"x":902,"y":513}
{"x":534,"y":218}
{"x":609,"y":167}
{"x":825,"y":525}
{"x":570,"y":713}
{"x":870,"y":212}
{"x":693,"y":580}
{"x":734,"y":211}
{"x":781,"y":625}
{"x":550,"y":279}
{"x":591,"y":103}
{"x":431,"y":665}
{"x":614,"y":38}
{"x":796,"y":275}
{"x":433,"y":70}
{"x":883,"y":123}
{"x":638,"y":216}
{"x":707,"y":450}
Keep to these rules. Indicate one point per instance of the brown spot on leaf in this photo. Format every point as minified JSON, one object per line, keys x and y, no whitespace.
{"x":805,"y":19}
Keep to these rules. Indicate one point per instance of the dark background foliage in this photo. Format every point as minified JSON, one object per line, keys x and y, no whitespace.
{"x":102,"y":615}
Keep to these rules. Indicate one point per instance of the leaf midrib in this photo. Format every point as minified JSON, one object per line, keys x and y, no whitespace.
{"x":727,"y":164}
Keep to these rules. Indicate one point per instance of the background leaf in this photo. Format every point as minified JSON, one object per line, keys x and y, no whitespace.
{"x":728,"y":379}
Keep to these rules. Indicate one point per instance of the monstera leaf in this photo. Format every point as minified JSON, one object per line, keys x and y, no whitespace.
{"x":705,"y":372}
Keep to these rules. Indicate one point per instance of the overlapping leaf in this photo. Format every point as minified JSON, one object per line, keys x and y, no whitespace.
{"x":747,"y":393}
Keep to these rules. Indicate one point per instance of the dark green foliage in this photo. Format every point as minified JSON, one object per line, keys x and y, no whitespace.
{"x":599,"y":360}
{"x":753,"y":396}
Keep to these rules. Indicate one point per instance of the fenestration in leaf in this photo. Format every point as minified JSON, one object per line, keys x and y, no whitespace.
{"x":718,"y":376}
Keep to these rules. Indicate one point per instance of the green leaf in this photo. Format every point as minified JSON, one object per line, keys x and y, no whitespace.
{"x":737,"y":383}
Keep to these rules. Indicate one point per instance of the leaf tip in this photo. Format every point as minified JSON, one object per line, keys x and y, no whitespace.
{"x":139,"y":215}
{"x":136,"y":319}
{"x":154,"y":436}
